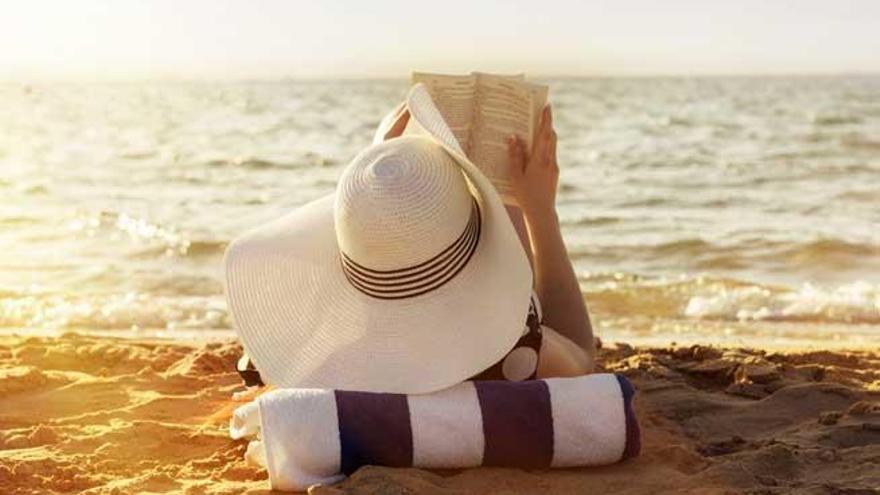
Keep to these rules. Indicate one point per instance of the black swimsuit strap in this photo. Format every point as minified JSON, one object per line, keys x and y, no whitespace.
{"x":532,"y":337}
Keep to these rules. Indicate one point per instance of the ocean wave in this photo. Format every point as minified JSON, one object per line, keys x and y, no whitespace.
{"x":250,"y":163}
{"x":157,"y":240}
{"x":646,"y":202}
{"x":867,"y":196}
{"x":697,"y":254}
{"x":18,"y":221}
{"x":34,"y":188}
{"x":178,"y":284}
{"x":676,"y":121}
{"x":832,"y":119}
{"x":728,"y":299}
{"x":307,"y":159}
{"x":198,"y":248}
{"x":687,"y":247}
{"x":858,"y":302}
{"x":591,"y":221}
{"x":829,"y":253}
{"x":138,"y":154}
{"x":182,"y":248}
{"x":131,"y":311}
{"x":861,"y":142}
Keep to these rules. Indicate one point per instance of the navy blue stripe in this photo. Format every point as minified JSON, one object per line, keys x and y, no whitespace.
{"x":517,"y":423}
{"x":373,"y":429}
{"x":633,"y":433}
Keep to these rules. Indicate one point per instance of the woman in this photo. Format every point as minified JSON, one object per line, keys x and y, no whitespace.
{"x":411,"y":277}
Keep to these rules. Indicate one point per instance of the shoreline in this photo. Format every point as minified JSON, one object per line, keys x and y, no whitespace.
{"x":100,"y":415}
{"x":602,"y":325}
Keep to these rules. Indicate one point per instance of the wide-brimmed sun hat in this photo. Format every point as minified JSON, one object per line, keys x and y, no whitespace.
{"x":409,"y":279}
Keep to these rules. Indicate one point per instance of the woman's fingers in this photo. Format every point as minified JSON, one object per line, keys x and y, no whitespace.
{"x":549,"y":137}
{"x":541,"y":145}
{"x":550,"y":156}
{"x":517,"y":155}
{"x":546,"y":122}
{"x":543,"y":153}
{"x":399,"y":125}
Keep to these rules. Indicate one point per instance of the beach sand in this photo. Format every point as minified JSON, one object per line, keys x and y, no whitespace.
{"x":100,"y":415}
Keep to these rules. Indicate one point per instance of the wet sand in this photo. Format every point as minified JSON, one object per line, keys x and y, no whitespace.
{"x":99,"y":415}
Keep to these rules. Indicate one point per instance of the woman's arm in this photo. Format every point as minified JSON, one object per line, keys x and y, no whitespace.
{"x":560,"y":356}
{"x":535,"y":178}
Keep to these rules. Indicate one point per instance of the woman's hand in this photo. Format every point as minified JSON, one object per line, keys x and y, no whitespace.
{"x":535,"y":177}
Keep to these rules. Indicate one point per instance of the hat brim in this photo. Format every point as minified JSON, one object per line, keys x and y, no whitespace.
{"x":304,"y":325}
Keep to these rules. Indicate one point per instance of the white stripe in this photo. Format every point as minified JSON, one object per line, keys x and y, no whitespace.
{"x":447,"y":428}
{"x":589,"y":427}
{"x":301,"y":438}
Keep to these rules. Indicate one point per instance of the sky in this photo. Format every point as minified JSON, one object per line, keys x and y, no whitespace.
{"x":257,"y":39}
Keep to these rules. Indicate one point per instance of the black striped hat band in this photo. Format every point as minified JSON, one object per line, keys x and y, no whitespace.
{"x":422,"y":278}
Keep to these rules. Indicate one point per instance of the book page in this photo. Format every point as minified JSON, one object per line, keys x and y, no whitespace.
{"x":454,"y":97}
{"x":504,"y":106}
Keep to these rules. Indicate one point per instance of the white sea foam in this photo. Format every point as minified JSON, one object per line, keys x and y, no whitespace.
{"x":857,"y":302}
{"x":114,"y":312}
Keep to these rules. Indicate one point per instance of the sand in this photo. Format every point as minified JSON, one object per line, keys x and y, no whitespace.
{"x":99,"y":415}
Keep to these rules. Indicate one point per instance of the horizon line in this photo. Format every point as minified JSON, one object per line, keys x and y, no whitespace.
{"x":366,"y":77}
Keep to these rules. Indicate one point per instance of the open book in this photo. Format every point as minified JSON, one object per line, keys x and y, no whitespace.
{"x":482,"y":110}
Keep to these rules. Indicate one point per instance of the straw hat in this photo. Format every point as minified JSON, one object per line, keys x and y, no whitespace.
{"x":409,"y":279}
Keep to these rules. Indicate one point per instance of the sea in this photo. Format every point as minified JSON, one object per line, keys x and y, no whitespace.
{"x":729,"y":211}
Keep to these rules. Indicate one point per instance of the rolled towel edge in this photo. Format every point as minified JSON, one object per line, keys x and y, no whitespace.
{"x":633,"y":444}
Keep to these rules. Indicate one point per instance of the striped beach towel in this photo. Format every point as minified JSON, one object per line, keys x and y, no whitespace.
{"x":312,"y":436}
